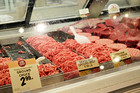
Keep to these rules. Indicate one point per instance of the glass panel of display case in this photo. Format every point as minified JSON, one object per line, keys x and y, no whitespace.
{"x":128,"y":8}
{"x":12,"y":10}
{"x":56,"y":9}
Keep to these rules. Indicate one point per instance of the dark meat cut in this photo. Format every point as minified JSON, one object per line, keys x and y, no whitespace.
{"x":83,"y":24}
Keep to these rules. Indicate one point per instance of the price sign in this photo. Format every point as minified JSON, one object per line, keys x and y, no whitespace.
{"x":120,"y":58}
{"x":24,"y":75}
{"x":84,"y":12}
{"x":88,"y":66}
{"x":113,"y":8}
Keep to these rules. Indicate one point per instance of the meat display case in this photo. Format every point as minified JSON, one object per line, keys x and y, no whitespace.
{"x":50,"y":15}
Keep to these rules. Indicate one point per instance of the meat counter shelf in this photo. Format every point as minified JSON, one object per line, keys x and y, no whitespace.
{"x":10,"y":47}
{"x":61,"y":36}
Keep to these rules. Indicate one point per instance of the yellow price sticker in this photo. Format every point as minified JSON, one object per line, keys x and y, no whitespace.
{"x":120,"y":58}
{"x":85,"y":66}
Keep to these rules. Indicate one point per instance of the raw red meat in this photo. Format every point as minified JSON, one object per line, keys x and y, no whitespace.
{"x":134,"y":53}
{"x":95,"y":50}
{"x":47,"y":70}
{"x":85,"y":34}
{"x":70,"y":43}
{"x":93,"y":38}
{"x":133,"y":23}
{"x":83,"y":24}
{"x":21,"y":52}
{"x":77,"y":31}
{"x":119,"y":32}
{"x":138,"y":45}
{"x":137,"y":24}
{"x":4,"y":71}
{"x":20,"y":43}
{"x":101,"y":52}
{"x":104,"y":41}
{"x":59,"y":54}
{"x":112,"y":22}
{"x":103,"y":31}
{"x":117,"y":46}
{"x":103,"y":26}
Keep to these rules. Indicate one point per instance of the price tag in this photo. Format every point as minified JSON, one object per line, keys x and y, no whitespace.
{"x":24,"y":75}
{"x":84,"y":12}
{"x":120,"y":58}
{"x":88,"y":66}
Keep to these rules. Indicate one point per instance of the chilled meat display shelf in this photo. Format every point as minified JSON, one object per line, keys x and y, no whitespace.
{"x":101,"y":82}
{"x":11,"y":49}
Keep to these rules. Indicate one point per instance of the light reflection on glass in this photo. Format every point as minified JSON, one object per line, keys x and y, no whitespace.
{"x":21,"y":30}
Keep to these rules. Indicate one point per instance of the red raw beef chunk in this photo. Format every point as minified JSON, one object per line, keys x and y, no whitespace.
{"x":132,"y":22}
{"x":97,"y":31}
{"x":119,"y":32}
{"x":112,"y":22}
{"x":132,"y":42}
{"x":106,"y":33}
{"x":89,"y":30}
{"x":137,"y":24}
{"x":83,"y":24}
{"x":103,"y":26}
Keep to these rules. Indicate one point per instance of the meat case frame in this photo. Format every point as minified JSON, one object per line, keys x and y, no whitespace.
{"x":101,"y":82}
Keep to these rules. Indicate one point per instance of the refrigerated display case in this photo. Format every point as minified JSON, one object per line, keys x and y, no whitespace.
{"x":53,"y":17}
{"x":12,"y":11}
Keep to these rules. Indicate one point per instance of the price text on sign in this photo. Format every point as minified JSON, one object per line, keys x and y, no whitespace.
{"x":84,"y":12}
{"x":24,"y":75}
{"x":86,"y":66}
{"x":120,"y":58}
